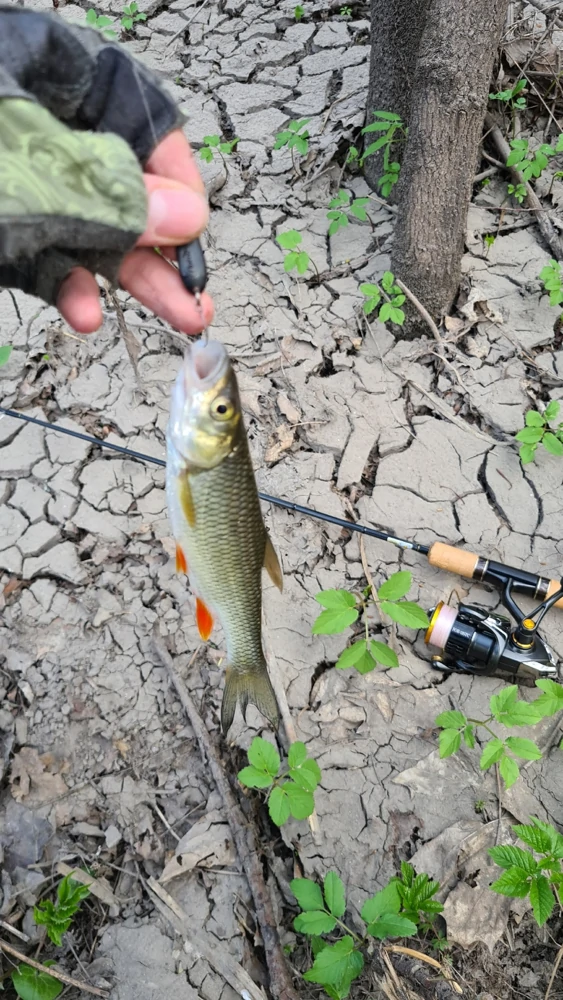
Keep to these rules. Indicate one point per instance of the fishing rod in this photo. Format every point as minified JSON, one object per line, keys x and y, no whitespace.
{"x":470,"y":639}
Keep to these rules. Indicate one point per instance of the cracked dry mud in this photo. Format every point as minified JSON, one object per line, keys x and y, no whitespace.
{"x":340,"y":417}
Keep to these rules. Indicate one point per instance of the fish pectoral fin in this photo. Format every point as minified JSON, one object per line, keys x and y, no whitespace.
{"x":246,"y":686}
{"x":186,"y":499}
{"x":272,"y":564}
{"x":181,"y":564}
{"x":204,"y":619}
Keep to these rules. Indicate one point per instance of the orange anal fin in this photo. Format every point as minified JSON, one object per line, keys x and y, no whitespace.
{"x":204,"y":619}
{"x":181,"y":564}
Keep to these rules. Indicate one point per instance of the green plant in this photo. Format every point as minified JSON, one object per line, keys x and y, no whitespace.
{"x":532,"y":164}
{"x":346,"y":11}
{"x":511,"y":96}
{"x":295,"y":136}
{"x":295,"y":259}
{"x":538,"y":431}
{"x":5,"y":353}
{"x":31,"y":984}
{"x":394,"y":131}
{"x":518,"y":191}
{"x":550,"y":275}
{"x":298,"y":12}
{"x":396,"y":911}
{"x":488,"y":240}
{"x":289,"y":793}
{"x":393,"y":298}
{"x":524,"y":875}
{"x":102,"y":23}
{"x":131,"y":15}
{"x":352,"y":156}
{"x":343,"y":609}
{"x":57,"y":917}
{"x":224,"y":148}
{"x":507,"y":710}
{"x":340,"y":206}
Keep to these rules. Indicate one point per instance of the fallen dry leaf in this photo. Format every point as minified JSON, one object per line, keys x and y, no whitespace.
{"x":30,"y":780}
{"x":280,"y":441}
{"x":207,"y":843}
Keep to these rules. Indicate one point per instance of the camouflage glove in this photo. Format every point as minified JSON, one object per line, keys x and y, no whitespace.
{"x":75,"y":130}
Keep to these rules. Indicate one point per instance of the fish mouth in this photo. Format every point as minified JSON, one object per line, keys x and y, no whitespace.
{"x":207,"y":361}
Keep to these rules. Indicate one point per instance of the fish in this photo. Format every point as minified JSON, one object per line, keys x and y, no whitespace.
{"x":214,"y":511}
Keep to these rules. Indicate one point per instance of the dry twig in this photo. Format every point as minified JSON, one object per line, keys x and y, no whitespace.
{"x":245,"y":841}
{"x":49,"y":970}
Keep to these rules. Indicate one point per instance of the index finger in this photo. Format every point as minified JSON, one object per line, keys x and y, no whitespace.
{"x":174,"y":158}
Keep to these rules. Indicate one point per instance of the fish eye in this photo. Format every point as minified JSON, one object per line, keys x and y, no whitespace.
{"x":222,"y":408}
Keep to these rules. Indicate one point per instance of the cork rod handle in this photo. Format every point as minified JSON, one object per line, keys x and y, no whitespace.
{"x":453,"y":560}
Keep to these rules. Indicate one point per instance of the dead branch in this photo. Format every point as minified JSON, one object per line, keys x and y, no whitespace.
{"x":547,"y":228}
{"x":245,"y":841}
{"x":49,"y":970}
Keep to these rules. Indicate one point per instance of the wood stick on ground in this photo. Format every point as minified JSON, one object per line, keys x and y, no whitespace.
{"x":218,"y":958}
{"x":413,"y":953}
{"x":50,"y":971}
{"x":554,"y":971}
{"x":545,"y":224}
{"x":281,"y":985}
{"x":422,"y":311}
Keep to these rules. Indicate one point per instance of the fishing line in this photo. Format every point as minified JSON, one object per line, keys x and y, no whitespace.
{"x":266,"y":497}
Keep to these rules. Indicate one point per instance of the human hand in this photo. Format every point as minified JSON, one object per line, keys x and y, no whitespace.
{"x":178,"y":213}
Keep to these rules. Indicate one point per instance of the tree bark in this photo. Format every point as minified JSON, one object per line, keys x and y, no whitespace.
{"x":396,"y":30}
{"x":448,"y":104}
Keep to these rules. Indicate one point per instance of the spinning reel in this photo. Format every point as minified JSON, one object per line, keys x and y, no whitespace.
{"x":475,"y":641}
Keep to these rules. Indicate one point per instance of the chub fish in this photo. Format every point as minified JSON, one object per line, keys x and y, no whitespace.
{"x":214,"y":510}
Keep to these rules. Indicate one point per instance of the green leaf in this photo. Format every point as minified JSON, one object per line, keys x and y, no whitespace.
{"x":337,"y":964}
{"x":541,"y":898}
{"x":30,"y":984}
{"x":537,"y":839}
{"x":301,"y":801}
{"x":398,"y":584}
{"x":493,"y":751}
{"x":253,"y":778}
{"x":523,"y":713}
{"x":282,"y":139}
{"x":504,"y":700}
{"x":5,"y":353}
{"x":264,"y":756}
{"x":334,"y":894}
{"x":551,"y":701}
{"x":389,"y":116}
{"x":357,"y":209}
{"x":552,"y":409}
{"x":406,"y":613}
{"x":388,"y":900}
{"x":526,"y":749}
{"x":369,"y":306}
{"x":307,"y":893}
{"x":290,"y":261}
{"x":385,"y":312}
{"x":527,"y":453}
{"x":336,"y":599}
{"x":449,"y":742}
{"x":509,"y":771}
{"x":91,"y":18}
{"x":374,"y":146}
{"x":534,"y":419}
{"x":469,"y":737}
{"x":298,"y":125}
{"x":297,"y":754}
{"x":513,"y":882}
{"x":127,"y":23}
{"x":302,"y":262}
{"x":314,"y":922}
{"x":301,"y":144}
{"x":289,"y":240}
{"x":376,"y":127}
{"x":530,"y":435}
{"x":509,"y":856}
{"x":383,"y":654}
{"x":556,"y":839}
{"x":206,"y":154}
{"x":552,"y":444}
{"x":278,"y":805}
{"x":332,"y":621}
{"x":307,"y":776}
{"x":450,"y":720}
{"x":370,"y":290}
{"x":354,"y":654}
{"x":392,"y":925}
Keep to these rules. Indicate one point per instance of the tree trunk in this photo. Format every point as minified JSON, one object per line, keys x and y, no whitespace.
{"x":449,"y":99}
{"x":396,"y":30}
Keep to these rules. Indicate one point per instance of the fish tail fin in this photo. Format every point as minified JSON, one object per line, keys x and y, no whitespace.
{"x":247,"y":686}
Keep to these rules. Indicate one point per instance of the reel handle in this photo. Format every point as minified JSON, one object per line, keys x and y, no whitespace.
{"x":475,"y":567}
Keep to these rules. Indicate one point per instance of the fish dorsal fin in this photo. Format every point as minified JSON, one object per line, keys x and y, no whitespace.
{"x":272,"y":564}
{"x":204,"y":619}
{"x":181,"y":564}
{"x":186,"y":499}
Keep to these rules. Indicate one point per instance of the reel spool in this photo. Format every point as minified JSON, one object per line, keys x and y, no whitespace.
{"x":475,"y":641}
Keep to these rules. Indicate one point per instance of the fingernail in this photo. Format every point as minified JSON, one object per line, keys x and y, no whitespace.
{"x":177,"y":214}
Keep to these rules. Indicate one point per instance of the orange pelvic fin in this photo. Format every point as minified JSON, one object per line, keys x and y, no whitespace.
{"x":204,"y":619}
{"x":181,"y":564}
